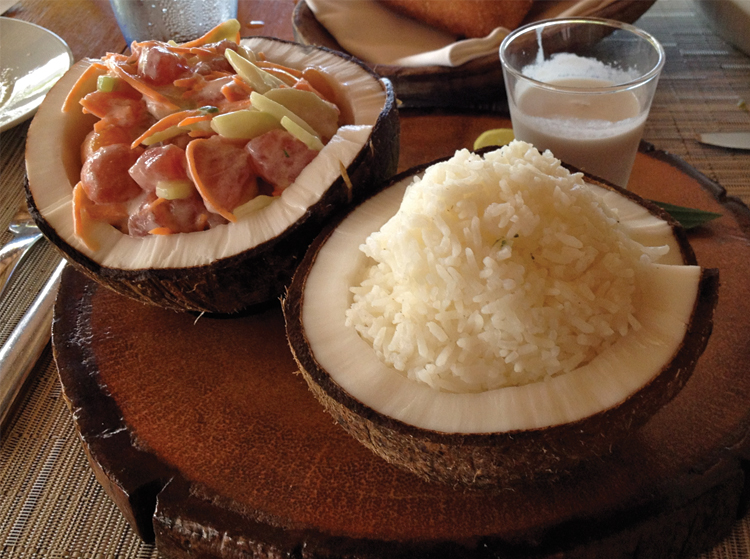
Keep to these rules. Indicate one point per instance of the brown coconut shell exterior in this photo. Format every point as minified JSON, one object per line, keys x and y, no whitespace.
{"x":497,"y":460}
{"x":260,"y":274}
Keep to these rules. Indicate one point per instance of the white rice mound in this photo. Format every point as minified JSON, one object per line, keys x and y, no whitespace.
{"x":497,"y":271}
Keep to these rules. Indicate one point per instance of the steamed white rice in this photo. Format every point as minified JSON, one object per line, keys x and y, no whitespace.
{"x":497,"y":271}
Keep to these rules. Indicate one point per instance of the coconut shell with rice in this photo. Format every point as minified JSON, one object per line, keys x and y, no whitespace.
{"x":511,"y":434}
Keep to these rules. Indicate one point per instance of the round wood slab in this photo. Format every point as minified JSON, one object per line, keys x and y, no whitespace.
{"x":202,"y":433}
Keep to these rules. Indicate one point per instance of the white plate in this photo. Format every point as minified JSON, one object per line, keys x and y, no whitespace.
{"x":32,"y":59}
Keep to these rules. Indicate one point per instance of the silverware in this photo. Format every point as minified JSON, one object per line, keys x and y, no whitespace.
{"x":734,"y":140}
{"x":26,"y":234}
{"x":25,"y":344}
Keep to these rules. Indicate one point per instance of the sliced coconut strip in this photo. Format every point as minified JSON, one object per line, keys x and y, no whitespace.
{"x":348,"y":74}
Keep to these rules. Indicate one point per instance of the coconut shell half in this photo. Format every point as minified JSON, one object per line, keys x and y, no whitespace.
{"x":230,"y":267}
{"x":508,"y":435}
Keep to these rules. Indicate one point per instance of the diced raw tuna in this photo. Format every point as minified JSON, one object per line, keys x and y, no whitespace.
{"x":279,"y":157}
{"x":159,"y":163}
{"x":177,"y":216}
{"x":222,"y":173}
{"x":105,"y":176}
{"x":159,"y":66}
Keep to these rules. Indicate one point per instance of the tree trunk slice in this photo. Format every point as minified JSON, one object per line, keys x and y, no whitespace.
{"x":202,"y":433}
{"x":476,"y":83}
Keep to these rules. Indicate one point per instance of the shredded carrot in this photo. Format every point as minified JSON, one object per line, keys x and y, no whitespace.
{"x":157,"y":202}
{"x":115,"y":56}
{"x":205,"y":193}
{"x":201,"y":133}
{"x":305,"y":85}
{"x":208,"y":38}
{"x":242,"y":84}
{"x":114,"y":214}
{"x":216,"y":74}
{"x":81,"y":220}
{"x":232,"y":93}
{"x":160,"y":231}
{"x":194,"y":119}
{"x":100,"y":124}
{"x":192,"y":81}
{"x":167,"y":122}
{"x":143,"y":89}
{"x":229,"y":107}
{"x":285,"y":77}
{"x":267,"y":65}
{"x":80,"y":88}
{"x":202,"y":51}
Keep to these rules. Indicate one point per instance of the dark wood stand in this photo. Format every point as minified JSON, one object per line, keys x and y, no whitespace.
{"x":202,"y":433}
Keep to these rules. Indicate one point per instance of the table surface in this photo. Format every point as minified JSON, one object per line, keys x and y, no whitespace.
{"x":50,"y":502}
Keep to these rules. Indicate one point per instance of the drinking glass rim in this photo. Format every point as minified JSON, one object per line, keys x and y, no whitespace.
{"x":648,"y":76}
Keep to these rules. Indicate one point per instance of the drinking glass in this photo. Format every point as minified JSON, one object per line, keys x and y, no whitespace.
{"x":582,"y":88}
{"x":164,"y":20}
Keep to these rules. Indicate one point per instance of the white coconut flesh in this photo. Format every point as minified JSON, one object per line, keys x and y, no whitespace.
{"x":58,"y":144}
{"x":669,"y":294}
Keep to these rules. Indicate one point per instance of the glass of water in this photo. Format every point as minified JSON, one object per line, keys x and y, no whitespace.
{"x":164,"y":20}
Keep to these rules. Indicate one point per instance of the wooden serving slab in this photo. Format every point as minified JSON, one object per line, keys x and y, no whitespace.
{"x":202,"y":433}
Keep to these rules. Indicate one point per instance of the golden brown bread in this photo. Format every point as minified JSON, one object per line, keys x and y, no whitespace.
{"x":467,"y":18}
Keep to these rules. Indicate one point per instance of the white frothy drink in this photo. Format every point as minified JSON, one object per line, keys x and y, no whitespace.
{"x":578,"y":118}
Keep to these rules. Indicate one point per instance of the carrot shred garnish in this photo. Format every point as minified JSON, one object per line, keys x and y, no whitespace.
{"x":76,"y":92}
{"x":192,"y":167}
{"x":208,"y":38}
{"x":287,"y":78}
{"x":157,"y":202}
{"x":305,"y":85}
{"x":81,"y":220}
{"x":231,"y":92}
{"x":167,"y":122}
{"x":160,"y":231}
{"x":242,"y":84}
{"x":229,"y":107}
{"x":267,"y":65}
{"x":192,"y":81}
{"x":142,"y":88}
{"x":216,"y":74}
{"x":201,"y":133}
{"x":194,"y":119}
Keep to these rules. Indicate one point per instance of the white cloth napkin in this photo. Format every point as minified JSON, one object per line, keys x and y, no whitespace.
{"x":6,"y":5}
{"x":372,"y":32}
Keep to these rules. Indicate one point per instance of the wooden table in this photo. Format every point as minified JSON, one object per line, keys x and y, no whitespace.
{"x":702,"y":84}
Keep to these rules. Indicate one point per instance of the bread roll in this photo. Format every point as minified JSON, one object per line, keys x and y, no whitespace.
{"x":465,"y":18}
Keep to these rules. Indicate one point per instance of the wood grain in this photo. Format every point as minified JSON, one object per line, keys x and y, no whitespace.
{"x":209,"y":417}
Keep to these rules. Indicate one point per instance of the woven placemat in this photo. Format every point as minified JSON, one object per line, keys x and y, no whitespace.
{"x":50,"y":502}
{"x":705,"y":87}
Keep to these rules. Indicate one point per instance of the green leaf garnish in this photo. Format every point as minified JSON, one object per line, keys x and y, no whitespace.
{"x":689,"y":218}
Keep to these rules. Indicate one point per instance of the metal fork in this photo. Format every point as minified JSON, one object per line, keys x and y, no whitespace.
{"x":26,"y":234}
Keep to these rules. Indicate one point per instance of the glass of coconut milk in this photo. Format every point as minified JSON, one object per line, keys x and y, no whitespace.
{"x":164,"y":20}
{"x":582,"y":88}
